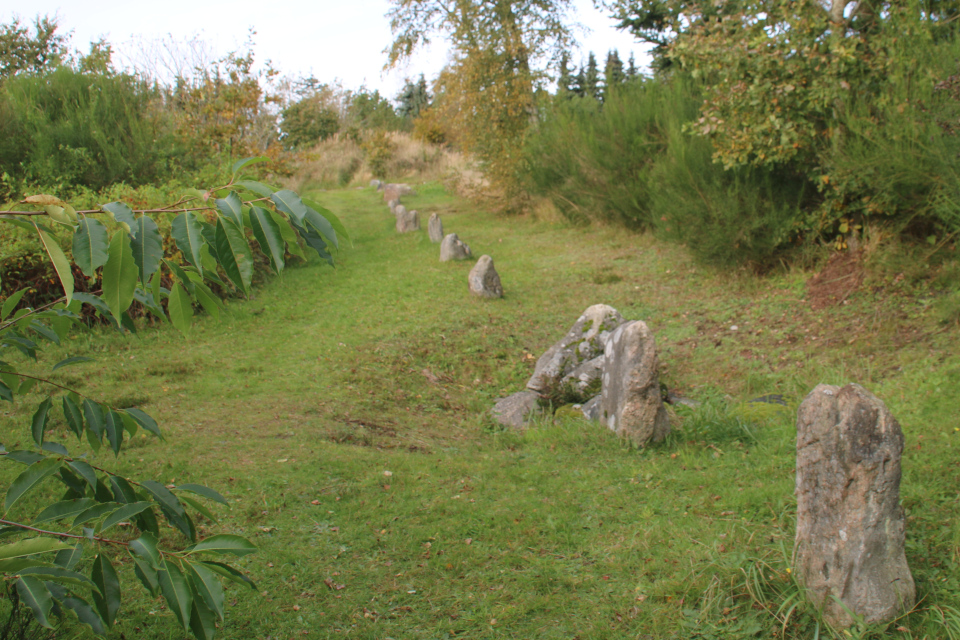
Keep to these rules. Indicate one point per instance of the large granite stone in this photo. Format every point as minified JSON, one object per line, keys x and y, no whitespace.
{"x":435,"y":228}
{"x":484,"y":281}
{"x":452,"y":248}
{"x":514,"y":411}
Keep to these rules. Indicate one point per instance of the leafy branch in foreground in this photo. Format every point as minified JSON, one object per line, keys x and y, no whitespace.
{"x":43,"y":564}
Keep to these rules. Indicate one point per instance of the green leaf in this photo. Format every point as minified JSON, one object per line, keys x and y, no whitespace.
{"x":44,"y":331}
{"x":16,"y":565}
{"x":65,"y":509}
{"x":125,"y":512}
{"x":85,"y":471}
{"x":258,"y":188}
{"x":147,"y":248}
{"x":29,"y":479}
{"x":180,"y":309}
{"x":230,"y":573}
{"x":119,"y":276}
{"x":85,"y":613}
{"x":59,"y":575}
{"x":90,"y":244}
{"x":201,"y":490}
{"x":321,"y":224}
{"x":155,"y":283}
{"x":240,"y":164}
{"x":123,"y":215}
{"x":95,"y":512}
{"x":60,"y":214}
{"x":31,"y":547}
{"x":60,"y":262}
{"x":199,"y":507}
{"x":94,"y":415}
{"x":232,"y":207}
{"x":68,"y":558}
{"x":145,"y":548}
{"x":114,"y":428}
{"x":170,"y":506}
{"x":202,"y":620}
{"x":224,"y":543}
{"x":188,"y":234}
{"x":73,"y":416}
{"x":181,"y":275}
{"x":69,"y":361}
{"x":176,"y":592}
{"x":268,"y":236}
{"x":39,"y":422}
{"x":331,"y":218}
{"x":147,"y":575}
{"x":315,"y":241}
{"x":207,"y":586}
{"x":11,"y":303}
{"x":207,"y":299}
{"x":35,"y":595}
{"x":107,"y":601}
{"x":144,"y":420}
{"x":25,"y":457}
{"x":234,"y":253}
{"x":291,"y":204}
{"x":5,"y":392}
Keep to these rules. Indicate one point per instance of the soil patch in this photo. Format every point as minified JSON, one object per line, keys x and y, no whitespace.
{"x":842,"y":275}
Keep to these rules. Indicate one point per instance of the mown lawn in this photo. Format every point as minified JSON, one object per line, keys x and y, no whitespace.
{"x":343,"y":413}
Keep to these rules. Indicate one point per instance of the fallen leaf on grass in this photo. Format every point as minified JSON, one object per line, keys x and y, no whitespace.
{"x":333,"y":585}
{"x":282,"y":459}
{"x":314,"y":502}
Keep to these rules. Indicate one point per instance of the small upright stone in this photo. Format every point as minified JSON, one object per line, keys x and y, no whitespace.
{"x":514,"y":411}
{"x":399,"y":211}
{"x":850,"y":525}
{"x":435,"y":228}
{"x":393,"y":204}
{"x":630,"y":402}
{"x":407,"y":220}
{"x":376,"y":184}
{"x":391,"y":192}
{"x":452,"y":248}
{"x":484,"y":280}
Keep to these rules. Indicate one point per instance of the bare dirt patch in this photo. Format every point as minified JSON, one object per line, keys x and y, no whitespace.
{"x":837,"y":281}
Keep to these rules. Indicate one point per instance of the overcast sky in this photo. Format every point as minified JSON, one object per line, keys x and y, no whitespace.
{"x":331,"y":39}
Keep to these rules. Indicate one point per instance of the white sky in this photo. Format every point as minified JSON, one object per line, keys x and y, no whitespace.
{"x":332,"y":39}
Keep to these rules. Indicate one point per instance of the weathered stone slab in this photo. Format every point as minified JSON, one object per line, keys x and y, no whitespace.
{"x":585,"y":379}
{"x":584,"y":341}
{"x":630,"y":402}
{"x":452,"y":248}
{"x":391,"y":192}
{"x":435,"y":228}
{"x":850,"y":525}
{"x":484,"y":281}
{"x":407,"y":220}
{"x":514,"y":411}
{"x":591,"y":408}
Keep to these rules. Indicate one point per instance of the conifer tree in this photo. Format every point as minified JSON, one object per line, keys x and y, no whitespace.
{"x":613,"y":75}
{"x":591,"y":78}
{"x":564,"y":81}
{"x":632,"y":67}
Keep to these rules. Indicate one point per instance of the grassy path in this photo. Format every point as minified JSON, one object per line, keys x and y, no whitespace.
{"x":341,"y":411}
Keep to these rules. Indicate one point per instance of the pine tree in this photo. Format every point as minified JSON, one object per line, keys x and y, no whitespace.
{"x":579,"y":85}
{"x":413,"y":98}
{"x":613,"y":75}
{"x":591,"y":80}
{"x":631,"y":67}
{"x":564,"y":81}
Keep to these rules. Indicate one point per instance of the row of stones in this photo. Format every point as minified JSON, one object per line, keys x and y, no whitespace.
{"x":483,"y":280}
{"x":850,"y":525}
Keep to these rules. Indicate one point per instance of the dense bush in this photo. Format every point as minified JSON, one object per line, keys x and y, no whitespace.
{"x":72,"y":128}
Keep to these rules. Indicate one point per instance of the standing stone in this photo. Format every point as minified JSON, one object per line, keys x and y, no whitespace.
{"x":630,"y":402}
{"x":405,"y":190}
{"x":585,"y":341}
{"x":376,"y":184}
{"x":484,"y":280}
{"x":407,"y":220}
{"x":514,"y":411}
{"x":435,"y":228}
{"x":393,"y":204}
{"x":391,"y":192}
{"x":452,"y":248}
{"x":584,"y":381}
{"x":399,"y":211}
{"x":591,"y":409}
{"x":850,"y":525}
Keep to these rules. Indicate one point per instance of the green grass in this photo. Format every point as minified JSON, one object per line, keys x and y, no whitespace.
{"x":297,"y":404}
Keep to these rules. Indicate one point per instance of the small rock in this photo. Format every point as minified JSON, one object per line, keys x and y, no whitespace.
{"x":376,"y":184}
{"x":391,"y":192}
{"x":578,"y":382}
{"x":393,"y":204}
{"x":452,"y":248}
{"x":484,"y":280}
{"x":399,"y":210}
{"x":591,"y":408}
{"x":515,"y":410}
{"x":850,"y":525}
{"x":435,"y":228}
{"x":630,"y":403}
{"x":407,"y":220}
